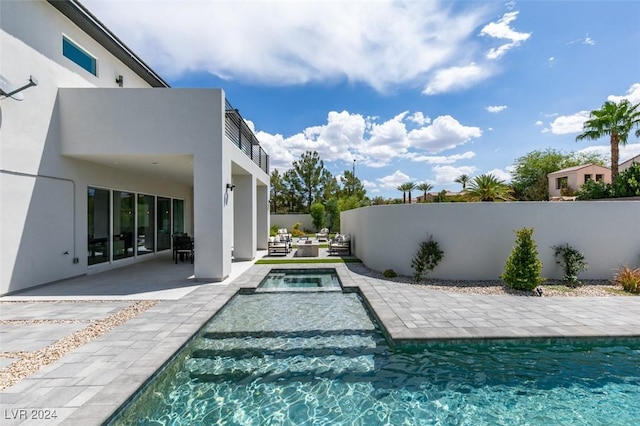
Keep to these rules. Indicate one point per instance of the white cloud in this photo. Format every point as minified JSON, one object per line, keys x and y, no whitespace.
{"x":538,"y":123}
{"x":373,"y":143}
{"x":393,"y":180}
{"x":448,"y":174}
{"x":501,"y":174}
{"x":502,"y":30}
{"x":419,"y":118}
{"x":430,"y":159}
{"x":569,"y":123}
{"x":456,"y":78}
{"x":444,"y":133}
{"x":626,"y":152}
{"x":574,"y":123}
{"x":382,"y":43}
{"x":588,"y":40}
{"x":496,"y":109}
{"x":632,"y":95}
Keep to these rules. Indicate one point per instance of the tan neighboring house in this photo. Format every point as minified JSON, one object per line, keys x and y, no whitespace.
{"x":432,"y":196}
{"x":624,"y":166}
{"x":563,"y":183}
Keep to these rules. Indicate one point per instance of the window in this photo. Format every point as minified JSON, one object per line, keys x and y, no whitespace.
{"x":562,"y":182}
{"x":124,"y":224}
{"x":586,"y":178}
{"x":78,"y":55}
{"x":599,"y":178}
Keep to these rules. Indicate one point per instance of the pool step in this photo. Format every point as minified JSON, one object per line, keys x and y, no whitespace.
{"x":290,"y":356}
{"x":269,"y":368}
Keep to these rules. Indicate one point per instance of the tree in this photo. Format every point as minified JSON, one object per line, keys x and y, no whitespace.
{"x":487,"y":187}
{"x":278,"y":190}
{"x":332,"y":214}
{"x":317,"y":215}
{"x":613,"y":120}
{"x":292,"y":191}
{"x":462,"y":179}
{"x":406,"y":187}
{"x":424,"y":187}
{"x":410,"y":187}
{"x":351,"y":185}
{"x":404,"y":192}
{"x":310,"y":172}
{"x":530,"y":174}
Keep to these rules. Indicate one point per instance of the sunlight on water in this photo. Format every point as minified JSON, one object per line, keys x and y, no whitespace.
{"x":317,"y":359}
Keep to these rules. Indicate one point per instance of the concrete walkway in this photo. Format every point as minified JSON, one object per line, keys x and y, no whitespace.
{"x":88,"y":384}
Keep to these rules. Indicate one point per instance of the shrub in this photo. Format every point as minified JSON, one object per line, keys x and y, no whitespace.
{"x":628,"y":182}
{"x":389,"y":273}
{"x":296,"y":231}
{"x":629,"y":279}
{"x":273,"y":231}
{"x":592,"y":190}
{"x":522,"y":270}
{"x":572,"y":261}
{"x":427,"y":258}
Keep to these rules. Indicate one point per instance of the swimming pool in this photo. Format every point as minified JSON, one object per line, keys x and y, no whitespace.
{"x":282,"y":358}
{"x":310,"y":278}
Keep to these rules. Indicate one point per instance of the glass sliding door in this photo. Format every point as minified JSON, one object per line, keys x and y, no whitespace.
{"x":164,"y":223}
{"x":146,"y":224}
{"x":178,"y":216}
{"x":123,"y":224}
{"x":98,"y":225}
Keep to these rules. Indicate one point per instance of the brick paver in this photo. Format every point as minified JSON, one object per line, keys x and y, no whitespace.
{"x":87,"y":385}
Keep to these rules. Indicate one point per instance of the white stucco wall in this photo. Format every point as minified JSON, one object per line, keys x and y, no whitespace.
{"x":50,"y":140}
{"x":288,"y":220}
{"x":477,"y":238}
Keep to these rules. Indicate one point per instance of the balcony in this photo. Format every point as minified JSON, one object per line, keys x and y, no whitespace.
{"x":241,"y":135}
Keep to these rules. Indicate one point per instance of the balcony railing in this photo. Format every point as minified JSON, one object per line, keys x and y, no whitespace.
{"x":241,"y":135}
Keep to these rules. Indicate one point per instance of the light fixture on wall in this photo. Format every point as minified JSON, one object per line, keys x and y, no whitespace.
{"x":8,"y":90}
{"x":230,"y":187}
{"x":120,"y":80}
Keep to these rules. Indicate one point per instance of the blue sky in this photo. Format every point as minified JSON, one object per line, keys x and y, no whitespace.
{"x":419,"y":91}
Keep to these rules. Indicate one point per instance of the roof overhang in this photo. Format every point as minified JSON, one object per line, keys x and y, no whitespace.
{"x":81,"y":16}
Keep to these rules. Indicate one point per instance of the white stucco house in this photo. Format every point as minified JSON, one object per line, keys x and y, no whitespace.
{"x":102,"y":162}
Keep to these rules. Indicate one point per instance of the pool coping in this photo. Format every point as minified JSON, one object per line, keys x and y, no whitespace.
{"x":88,"y":385}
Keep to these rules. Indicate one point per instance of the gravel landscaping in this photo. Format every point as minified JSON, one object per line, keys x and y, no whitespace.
{"x":550,"y":288}
{"x":26,"y":363}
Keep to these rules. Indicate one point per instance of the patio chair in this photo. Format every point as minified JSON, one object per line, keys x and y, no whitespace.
{"x":278,"y":245}
{"x":183,"y":247}
{"x":340,"y":245}
{"x":322,"y":235}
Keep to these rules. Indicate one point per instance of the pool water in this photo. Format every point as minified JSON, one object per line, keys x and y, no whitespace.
{"x":315,"y":279}
{"x":284,"y":359}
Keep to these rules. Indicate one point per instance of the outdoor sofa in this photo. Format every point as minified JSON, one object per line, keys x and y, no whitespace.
{"x":340,"y":245}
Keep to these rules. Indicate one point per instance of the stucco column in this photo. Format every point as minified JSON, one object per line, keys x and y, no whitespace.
{"x":212,"y":209}
{"x":262,"y":209}
{"x":244,"y":217}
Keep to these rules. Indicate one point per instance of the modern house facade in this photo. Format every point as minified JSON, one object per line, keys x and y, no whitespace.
{"x":102,"y":162}
{"x":566,"y":181}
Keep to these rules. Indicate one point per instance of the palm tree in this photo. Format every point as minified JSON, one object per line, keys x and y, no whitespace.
{"x":404,"y":192}
{"x":462,"y":179}
{"x":424,"y":187}
{"x":616,"y":121}
{"x":410,"y":187}
{"x":487,"y":187}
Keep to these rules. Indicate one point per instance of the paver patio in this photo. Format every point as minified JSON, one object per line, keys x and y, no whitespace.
{"x":88,"y":384}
